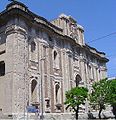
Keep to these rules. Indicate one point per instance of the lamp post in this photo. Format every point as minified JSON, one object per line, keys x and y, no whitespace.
{"x":41,"y":86}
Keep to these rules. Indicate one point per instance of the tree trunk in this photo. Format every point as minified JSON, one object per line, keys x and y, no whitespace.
{"x":100,"y":113}
{"x":77,"y":111}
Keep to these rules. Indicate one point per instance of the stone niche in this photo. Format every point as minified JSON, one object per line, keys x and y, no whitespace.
{"x":47,"y":105}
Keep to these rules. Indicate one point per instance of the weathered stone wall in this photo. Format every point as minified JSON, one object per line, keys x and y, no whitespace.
{"x":41,"y":65}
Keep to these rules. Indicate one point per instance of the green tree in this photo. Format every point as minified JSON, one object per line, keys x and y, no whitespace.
{"x":99,"y":94}
{"x":75,"y":97}
{"x":111,"y":99}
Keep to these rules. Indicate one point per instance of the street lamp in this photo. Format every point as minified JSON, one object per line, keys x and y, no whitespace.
{"x":41,"y":87}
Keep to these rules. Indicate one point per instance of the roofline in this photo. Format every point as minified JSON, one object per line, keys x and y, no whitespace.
{"x":48,"y":24}
{"x":94,"y":49}
{"x":99,"y":53}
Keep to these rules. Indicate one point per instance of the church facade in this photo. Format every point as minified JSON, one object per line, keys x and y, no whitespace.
{"x":41,"y":60}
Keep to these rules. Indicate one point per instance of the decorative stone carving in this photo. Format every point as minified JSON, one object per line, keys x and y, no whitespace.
{"x":47,"y":105}
{"x":14,"y":29}
{"x":58,"y":107}
{"x":20,"y":69}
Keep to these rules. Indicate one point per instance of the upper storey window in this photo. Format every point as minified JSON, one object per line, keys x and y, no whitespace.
{"x":56,"y":59}
{"x":55,"y":55}
{"x":33,"y":46}
{"x":2,"y":68}
{"x":33,"y":51}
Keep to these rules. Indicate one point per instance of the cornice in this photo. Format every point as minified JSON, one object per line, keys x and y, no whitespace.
{"x":95,"y":52}
{"x":19,"y":9}
{"x":15,"y":29}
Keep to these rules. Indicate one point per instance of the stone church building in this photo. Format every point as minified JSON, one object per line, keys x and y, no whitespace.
{"x":41,"y":60}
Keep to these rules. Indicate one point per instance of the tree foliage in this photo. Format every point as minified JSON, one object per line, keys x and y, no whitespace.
{"x":111,"y":99}
{"x":112,"y":92}
{"x":99,"y":95}
{"x":104,"y":92}
{"x":75,"y":97}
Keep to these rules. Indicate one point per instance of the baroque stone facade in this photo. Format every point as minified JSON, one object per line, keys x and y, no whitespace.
{"x":41,"y":60}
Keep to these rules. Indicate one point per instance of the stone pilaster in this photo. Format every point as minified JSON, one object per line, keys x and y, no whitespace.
{"x":16,"y":49}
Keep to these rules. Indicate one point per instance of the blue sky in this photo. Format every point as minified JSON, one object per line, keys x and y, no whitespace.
{"x":98,"y":17}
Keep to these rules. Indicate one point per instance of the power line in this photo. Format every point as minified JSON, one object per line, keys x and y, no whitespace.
{"x":102,"y":37}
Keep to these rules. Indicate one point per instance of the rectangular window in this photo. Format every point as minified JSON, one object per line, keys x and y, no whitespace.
{"x":2,"y":68}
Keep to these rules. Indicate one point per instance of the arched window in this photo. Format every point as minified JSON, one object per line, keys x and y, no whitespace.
{"x":55,"y":55}
{"x":33,"y":51}
{"x":57,"y":87}
{"x":2,"y":68}
{"x":34,"y":91}
{"x":77,"y":80}
{"x":33,"y":46}
{"x":56,"y":59}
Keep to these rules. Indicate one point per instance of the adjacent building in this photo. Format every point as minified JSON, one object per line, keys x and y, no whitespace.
{"x":41,"y":60}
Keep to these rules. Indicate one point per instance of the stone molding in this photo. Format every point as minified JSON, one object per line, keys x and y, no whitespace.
{"x":15,"y":29}
{"x":46,"y":25}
